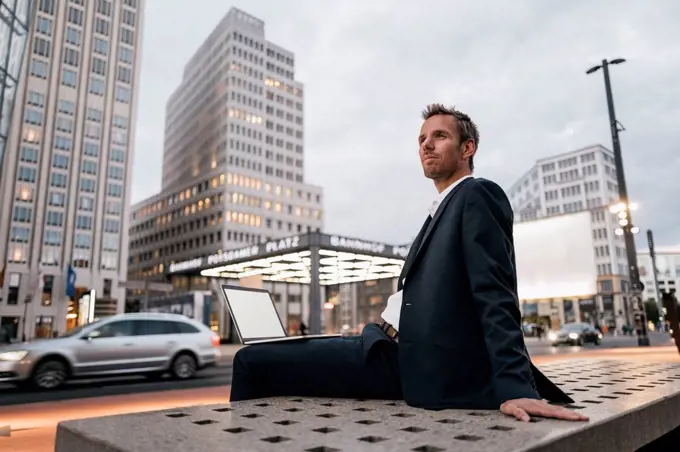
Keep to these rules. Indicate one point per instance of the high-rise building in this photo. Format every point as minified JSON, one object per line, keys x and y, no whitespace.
{"x":14,"y":15}
{"x":233,"y":162}
{"x":584,"y":179}
{"x":67,"y":169}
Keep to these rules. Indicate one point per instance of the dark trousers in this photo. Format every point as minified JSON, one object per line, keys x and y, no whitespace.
{"x":333,"y":367}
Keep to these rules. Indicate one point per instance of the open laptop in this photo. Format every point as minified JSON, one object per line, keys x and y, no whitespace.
{"x":256,"y":318}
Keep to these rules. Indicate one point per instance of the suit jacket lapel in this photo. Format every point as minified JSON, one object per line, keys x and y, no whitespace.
{"x":428,"y":230}
{"x":412,"y":251}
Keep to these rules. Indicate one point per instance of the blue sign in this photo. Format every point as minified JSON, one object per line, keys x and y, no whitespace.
{"x":71,"y":282}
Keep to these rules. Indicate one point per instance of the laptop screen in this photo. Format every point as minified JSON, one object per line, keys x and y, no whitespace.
{"x":254,"y":313}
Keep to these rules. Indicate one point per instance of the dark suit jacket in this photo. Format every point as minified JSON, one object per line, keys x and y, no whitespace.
{"x":460,"y":338}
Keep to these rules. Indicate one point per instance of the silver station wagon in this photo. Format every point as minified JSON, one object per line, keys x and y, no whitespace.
{"x":127,"y":344}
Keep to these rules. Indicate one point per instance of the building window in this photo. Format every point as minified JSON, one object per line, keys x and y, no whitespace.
{"x":88,"y":185}
{"x":110,"y":242}
{"x":67,"y":107}
{"x":52,"y":238}
{"x":104,"y":7}
{"x":112,"y":226}
{"x":84,"y":222}
{"x":124,"y":74}
{"x":41,"y":47}
{"x":116,"y":172}
{"x":101,"y":26}
{"x":96,"y":86}
{"x":85,"y":203}
{"x":82,"y":241}
{"x":26,"y":174}
{"x":29,"y":155}
{"x":58,"y":180}
{"x":101,"y":46}
{"x":120,"y":122}
{"x":94,"y":114}
{"x":20,"y":234}
{"x":73,"y":36}
{"x":75,"y":15}
{"x":46,"y":6}
{"x":63,"y":143}
{"x":128,"y":18}
{"x":22,"y":214}
{"x":71,"y":57}
{"x":127,"y":36}
{"x":98,"y":66}
{"x":123,"y":94}
{"x":55,"y":218}
{"x":125,"y":54}
{"x":113,"y":207}
{"x":60,"y":161}
{"x":14,"y":283}
{"x":117,"y":155}
{"x":36,"y":99}
{"x":89,"y":167}
{"x":39,"y":68}
{"x":114,"y":190}
{"x":91,"y":149}
{"x":56,"y":199}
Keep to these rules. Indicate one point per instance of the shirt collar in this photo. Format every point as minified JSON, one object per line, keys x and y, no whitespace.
{"x":440,"y":197}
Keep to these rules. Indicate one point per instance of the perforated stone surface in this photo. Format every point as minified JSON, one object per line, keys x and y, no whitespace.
{"x":629,"y":405}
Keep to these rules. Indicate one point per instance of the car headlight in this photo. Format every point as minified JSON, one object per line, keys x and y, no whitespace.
{"x":13,"y":356}
{"x":599,"y":335}
{"x":573,"y":336}
{"x":552,"y":336}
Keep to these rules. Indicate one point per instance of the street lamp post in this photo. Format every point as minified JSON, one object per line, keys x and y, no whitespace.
{"x":658,"y":294}
{"x":625,"y":220}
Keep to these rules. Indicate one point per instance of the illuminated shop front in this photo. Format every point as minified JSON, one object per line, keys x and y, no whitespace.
{"x":329,"y":282}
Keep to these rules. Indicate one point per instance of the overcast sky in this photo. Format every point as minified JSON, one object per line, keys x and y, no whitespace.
{"x":517,"y":67}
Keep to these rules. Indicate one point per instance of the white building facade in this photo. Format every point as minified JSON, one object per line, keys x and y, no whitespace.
{"x":668,"y":271}
{"x":233,"y":162}
{"x":584,"y":179}
{"x":67,"y":170}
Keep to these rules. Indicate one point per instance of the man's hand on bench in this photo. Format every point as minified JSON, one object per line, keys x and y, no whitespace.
{"x":523,"y":409}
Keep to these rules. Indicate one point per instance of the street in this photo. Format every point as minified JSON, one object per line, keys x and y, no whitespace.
{"x":538,"y":347}
{"x":216,"y":376}
{"x":221,"y":375}
{"x":33,"y":416}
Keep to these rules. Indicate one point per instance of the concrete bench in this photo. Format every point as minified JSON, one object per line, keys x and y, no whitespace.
{"x":630,"y":405}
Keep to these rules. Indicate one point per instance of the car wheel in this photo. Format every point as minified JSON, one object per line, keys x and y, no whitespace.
{"x":50,"y":375}
{"x":597,"y":341}
{"x":184,"y":367}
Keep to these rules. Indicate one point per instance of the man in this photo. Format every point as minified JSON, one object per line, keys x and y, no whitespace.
{"x":451,"y":336}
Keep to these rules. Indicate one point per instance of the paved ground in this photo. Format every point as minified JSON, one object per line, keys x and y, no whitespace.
{"x":33,"y":425}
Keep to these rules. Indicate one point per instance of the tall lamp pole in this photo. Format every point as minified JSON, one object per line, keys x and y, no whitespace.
{"x":623,"y":210}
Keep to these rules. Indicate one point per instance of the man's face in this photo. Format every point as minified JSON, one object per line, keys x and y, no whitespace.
{"x":441,"y":152}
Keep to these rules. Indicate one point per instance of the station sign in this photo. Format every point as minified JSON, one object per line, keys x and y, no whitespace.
{"x":238,"y":254}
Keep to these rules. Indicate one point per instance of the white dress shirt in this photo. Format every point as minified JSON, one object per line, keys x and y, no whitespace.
{"x":392,"y":312}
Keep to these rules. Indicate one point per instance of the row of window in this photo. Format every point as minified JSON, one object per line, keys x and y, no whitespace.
{"x":61,"y":161}
{"x":54,"y":237}
{"x":24,"y":214}
{"x":52,"y":256}
{"x":231,"y":179}
{"x":569,"y":161}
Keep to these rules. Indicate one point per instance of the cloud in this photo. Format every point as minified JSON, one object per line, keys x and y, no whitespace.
{"x":518,"y":68}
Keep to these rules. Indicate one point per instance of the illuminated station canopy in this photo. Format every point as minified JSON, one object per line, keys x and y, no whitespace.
{"x":341,"y":260}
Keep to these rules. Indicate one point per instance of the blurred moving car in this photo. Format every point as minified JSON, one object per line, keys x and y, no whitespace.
{"x":575,"y":334}
{"x":152,"y":344}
